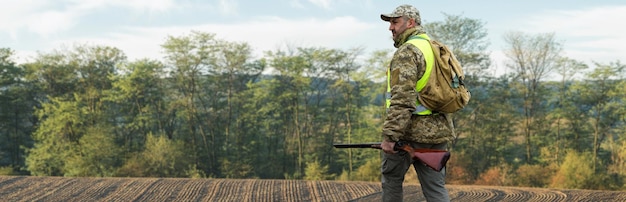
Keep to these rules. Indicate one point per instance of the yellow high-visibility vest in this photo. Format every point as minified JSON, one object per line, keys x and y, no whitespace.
{"x":422,"y":42}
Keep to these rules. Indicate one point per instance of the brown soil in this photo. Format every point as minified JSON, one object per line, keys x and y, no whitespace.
{"x":26,"y":188}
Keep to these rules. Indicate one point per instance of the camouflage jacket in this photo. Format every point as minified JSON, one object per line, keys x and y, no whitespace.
{"x":408,"y":66}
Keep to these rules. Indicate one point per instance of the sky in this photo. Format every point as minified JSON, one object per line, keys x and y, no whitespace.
{"x":589,"y":30}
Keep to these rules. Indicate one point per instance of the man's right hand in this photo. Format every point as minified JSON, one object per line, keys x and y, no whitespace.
{"x":388,"y":147}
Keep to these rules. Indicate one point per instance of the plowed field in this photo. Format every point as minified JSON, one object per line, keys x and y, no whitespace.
{"x":22,"y":188}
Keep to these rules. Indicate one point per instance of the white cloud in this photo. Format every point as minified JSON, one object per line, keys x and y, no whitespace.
{"x":51,"y":22}
{"x":264,"y":34}
{"x":271,"y":32}
{"x":325,"y":4}
{"x":49,"y":17}
{"x":594,"y":34}
{"x":228,"y":7}
{"x":136,"y":5}
{"x":135,"y":44}
{"x":296,"y":4}
{"x":17,"y":14}
{"x":149,"y":5}
{"x":321,"y":3}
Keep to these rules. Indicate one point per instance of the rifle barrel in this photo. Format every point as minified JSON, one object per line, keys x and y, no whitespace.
{"x":374,"y":145}
{"x":433,"y":158}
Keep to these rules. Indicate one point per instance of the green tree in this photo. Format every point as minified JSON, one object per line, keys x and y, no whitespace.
{"x":269,"y":144}
{"x":316,"y":171}
{"x":568,"y":69}
{"x":618,"y":158}
{"x":96,"y":155}
{"x":140,"y":93}
{"x":209,"y":76}
{"x":467,"y":38}
{"x":576,"y":172}
{"x":532,"y":58}
{"x":617,"y":143}
{"x":233,"y":69}
{"x":293,"y":85}
{"x":601,"y":105}
{"x":161,"y":157}
{"x":17,"y":100}
{"x":489,"y":140}
{"x":370,"y":171}
{"x":534,"y":175}
{"x":47,"y":157}
{"x":368,"y":117}
{"x":189,"y":58}
{"x":58,"y":132}
{"x":68,"y":115}
{"x":52,"y":75}
{"x":331,"y":102}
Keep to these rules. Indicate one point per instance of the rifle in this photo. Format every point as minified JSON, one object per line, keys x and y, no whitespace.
{"x":433,"y":158}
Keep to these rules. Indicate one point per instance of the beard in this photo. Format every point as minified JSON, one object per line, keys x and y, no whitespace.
{"x":397,"y":34}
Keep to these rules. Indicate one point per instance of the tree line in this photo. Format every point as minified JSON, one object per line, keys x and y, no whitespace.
{"x":208,"y":108}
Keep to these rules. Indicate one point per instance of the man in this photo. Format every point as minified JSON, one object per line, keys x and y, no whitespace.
{"x":407,"y":120}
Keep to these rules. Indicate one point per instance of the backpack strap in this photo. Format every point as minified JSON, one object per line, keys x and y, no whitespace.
{"x":457,"y":79}
{"x":425,"y":47}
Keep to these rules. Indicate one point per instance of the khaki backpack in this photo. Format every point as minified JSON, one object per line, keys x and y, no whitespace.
{"x":445,"y":90}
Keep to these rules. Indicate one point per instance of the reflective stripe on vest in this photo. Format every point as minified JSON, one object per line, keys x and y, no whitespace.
{"x":421,"y":42}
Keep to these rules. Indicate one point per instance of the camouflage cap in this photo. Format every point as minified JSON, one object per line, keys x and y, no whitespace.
{"x":403,"y":10}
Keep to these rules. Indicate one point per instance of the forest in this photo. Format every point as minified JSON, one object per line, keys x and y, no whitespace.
{"x":210,"y":109}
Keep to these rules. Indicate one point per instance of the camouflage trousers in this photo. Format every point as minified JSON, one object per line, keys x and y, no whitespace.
{"x":395,"y":166}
